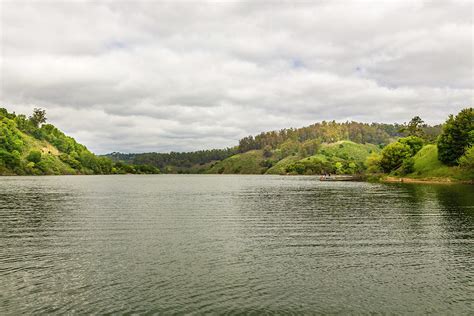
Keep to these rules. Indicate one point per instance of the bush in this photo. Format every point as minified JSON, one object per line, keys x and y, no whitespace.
{"x":393,"y":156}
{"x":34,"y":156}
{"x":415,"y":143}
{"x":70,"y":161}
{"x":9,"y":160}
{"x":373,"y":163}
{"x":267,"y":151}
{"x":467,"y":160}
{"x":407,"y":166}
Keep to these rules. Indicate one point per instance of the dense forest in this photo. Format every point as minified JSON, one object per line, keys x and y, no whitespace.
{"x":29,"y":146}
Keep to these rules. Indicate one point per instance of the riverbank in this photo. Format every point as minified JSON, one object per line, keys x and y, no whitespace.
{"x":392,"y":179}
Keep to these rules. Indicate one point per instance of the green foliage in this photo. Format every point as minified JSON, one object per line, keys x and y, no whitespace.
{"x":176,"y":161}
{"x":68,"y":159}
{"x":414,"y":127}
{"x":310,"y":165}
{"x":10,"y":137}
{"x":427,"y":165}
{"x":456,"y":137}
{"x":373,"y":163}
{"x":407,"y":166}
{"x":466,"y":161}
{"x":10,"y":160}
{"x":38,"y":117}
{"x":310,"y":147}
{"x":251,"y":162}
{"x":324,"y":132}
{"x":289,"y":148}
{"x":34,"y":156}
{"x":397,"y":156}
{"x":393,"y":156}
{"x":22,"y":142}
{"x":415,"y":143}
{"x":267,"y":151}
{"x":282,"y":165}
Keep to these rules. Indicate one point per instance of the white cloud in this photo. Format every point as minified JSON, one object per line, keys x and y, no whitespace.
{"x":160,"y":76}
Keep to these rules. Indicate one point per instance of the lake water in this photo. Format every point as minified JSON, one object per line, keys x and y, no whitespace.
{"x":198,"y":244}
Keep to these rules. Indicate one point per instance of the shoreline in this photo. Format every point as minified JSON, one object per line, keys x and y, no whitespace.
{"x":382,"y":179}
{"x":391,"y":179}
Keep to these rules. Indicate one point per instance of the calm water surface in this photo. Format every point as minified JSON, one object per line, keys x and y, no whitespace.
{"x":233,"y":244}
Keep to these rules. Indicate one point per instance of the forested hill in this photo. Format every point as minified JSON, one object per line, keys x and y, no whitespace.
{"x":28,"y":146}
{"x":268,"y":148}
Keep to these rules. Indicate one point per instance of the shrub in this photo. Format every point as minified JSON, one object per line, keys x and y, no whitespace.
{"x":393,"y":156}
{"x":415,"y":143}
{"x":466,"y":161}
{"x":407,"y":166}
{"x":34,"y":156}
{"x":373,"y":163}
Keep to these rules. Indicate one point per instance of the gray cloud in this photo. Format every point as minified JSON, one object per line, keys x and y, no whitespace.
{"x":160,"y":76}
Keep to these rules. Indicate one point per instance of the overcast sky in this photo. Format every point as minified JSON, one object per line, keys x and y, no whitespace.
{"x":158,"y":76}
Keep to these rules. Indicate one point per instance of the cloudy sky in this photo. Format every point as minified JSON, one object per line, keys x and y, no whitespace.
{"x":158,"y":76}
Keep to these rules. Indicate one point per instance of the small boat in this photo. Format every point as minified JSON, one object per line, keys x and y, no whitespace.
{"x":337,"y":178}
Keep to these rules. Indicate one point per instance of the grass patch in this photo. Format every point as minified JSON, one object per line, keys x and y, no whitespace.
{"x":246,"y":163}
{"x":428,"y":166}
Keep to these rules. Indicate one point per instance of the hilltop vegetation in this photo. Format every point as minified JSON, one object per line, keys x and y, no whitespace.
{"x":28,"y":146}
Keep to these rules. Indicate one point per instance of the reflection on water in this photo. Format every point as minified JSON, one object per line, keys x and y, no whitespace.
{"x":233,"y":244}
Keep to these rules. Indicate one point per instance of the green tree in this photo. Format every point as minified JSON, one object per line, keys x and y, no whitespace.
{"x":414,"y":127}
{"x":373,"y":163}
{"x":290,"y":147}
{"x":38,"y":117}
{"x":407,"y":166}
{"x":456,"y":137}
{"x":393,"y":156}
{"x":466,"y":161}
{"x":339,"y":167}
{"x":414,"y":142}
{"x":34,"y":156}
{"x":267,"y":151}
{"x":310,"y":147}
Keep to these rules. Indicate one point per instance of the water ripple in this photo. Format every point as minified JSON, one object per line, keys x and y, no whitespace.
{"x":233,"y":245}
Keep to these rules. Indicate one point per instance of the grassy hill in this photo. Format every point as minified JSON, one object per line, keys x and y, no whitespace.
{"x":28,"y":147}
{"x":250,"y":162}
{"x":427,"y":166}
{"x":339,"y":157}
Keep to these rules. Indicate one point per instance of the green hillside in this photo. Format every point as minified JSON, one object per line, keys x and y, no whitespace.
{"x":344,"y":157}
{"x":427,"y":165}
{"x":28,"y":146}
{"x":251,"y":162}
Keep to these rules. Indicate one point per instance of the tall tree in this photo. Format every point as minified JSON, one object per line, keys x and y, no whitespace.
{"x":38,"y":117}
{"x":414,"y":127}
{"x":456,"y":137}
